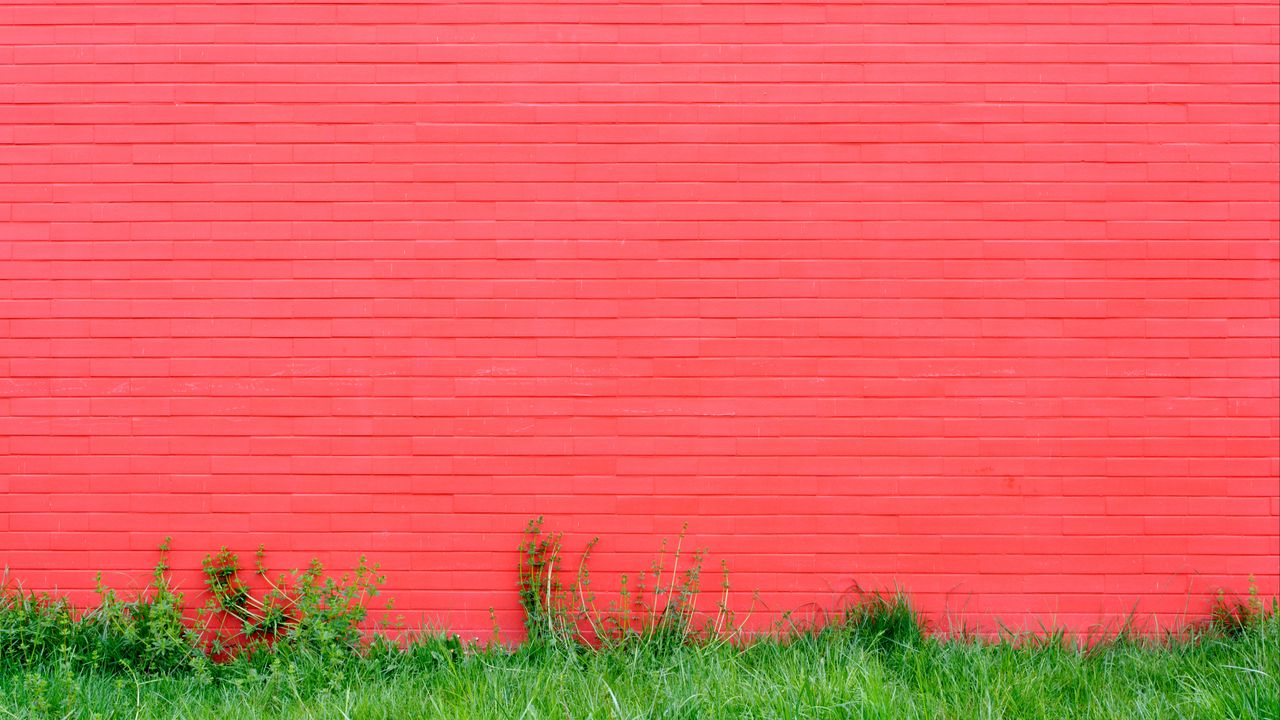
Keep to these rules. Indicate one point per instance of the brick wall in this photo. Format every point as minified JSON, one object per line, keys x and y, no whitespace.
{"x":976,"y":298}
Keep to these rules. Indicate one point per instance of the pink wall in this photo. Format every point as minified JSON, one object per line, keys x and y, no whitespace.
{"x":978,"y":299}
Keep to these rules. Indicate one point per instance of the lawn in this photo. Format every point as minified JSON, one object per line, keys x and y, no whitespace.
{"x":835,"y":674}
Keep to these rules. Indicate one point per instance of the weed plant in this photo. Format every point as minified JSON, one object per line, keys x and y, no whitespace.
{"x":148,"y":633}
{"x":655,"y":613}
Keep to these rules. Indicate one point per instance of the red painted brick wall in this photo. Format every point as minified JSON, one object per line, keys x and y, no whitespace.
{"x":979,"y":299}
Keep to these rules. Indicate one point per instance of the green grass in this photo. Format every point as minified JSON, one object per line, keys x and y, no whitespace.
{"x":299,"y":646}
{"x":834,"y":674}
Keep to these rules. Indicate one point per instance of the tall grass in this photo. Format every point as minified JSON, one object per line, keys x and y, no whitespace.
{"x":828,"y":674}
{"x":300,"y":645}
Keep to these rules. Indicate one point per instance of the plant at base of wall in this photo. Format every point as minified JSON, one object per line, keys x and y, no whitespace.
{"x":565,"y":615}
{"x":302,"y":609}
{"x":1231,"y":615}
{"x":147,"y":633}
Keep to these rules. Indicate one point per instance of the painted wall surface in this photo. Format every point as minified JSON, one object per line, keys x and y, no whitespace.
{"x":980,"y":299}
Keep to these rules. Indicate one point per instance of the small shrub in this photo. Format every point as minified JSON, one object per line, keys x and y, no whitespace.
{"x":300,"y":611}
{"x":145,"y":633}
{"x":657,"y":613}
{"x":36,"y":627}
{"x":548,"y":616}
{"x":1232,"y":616}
